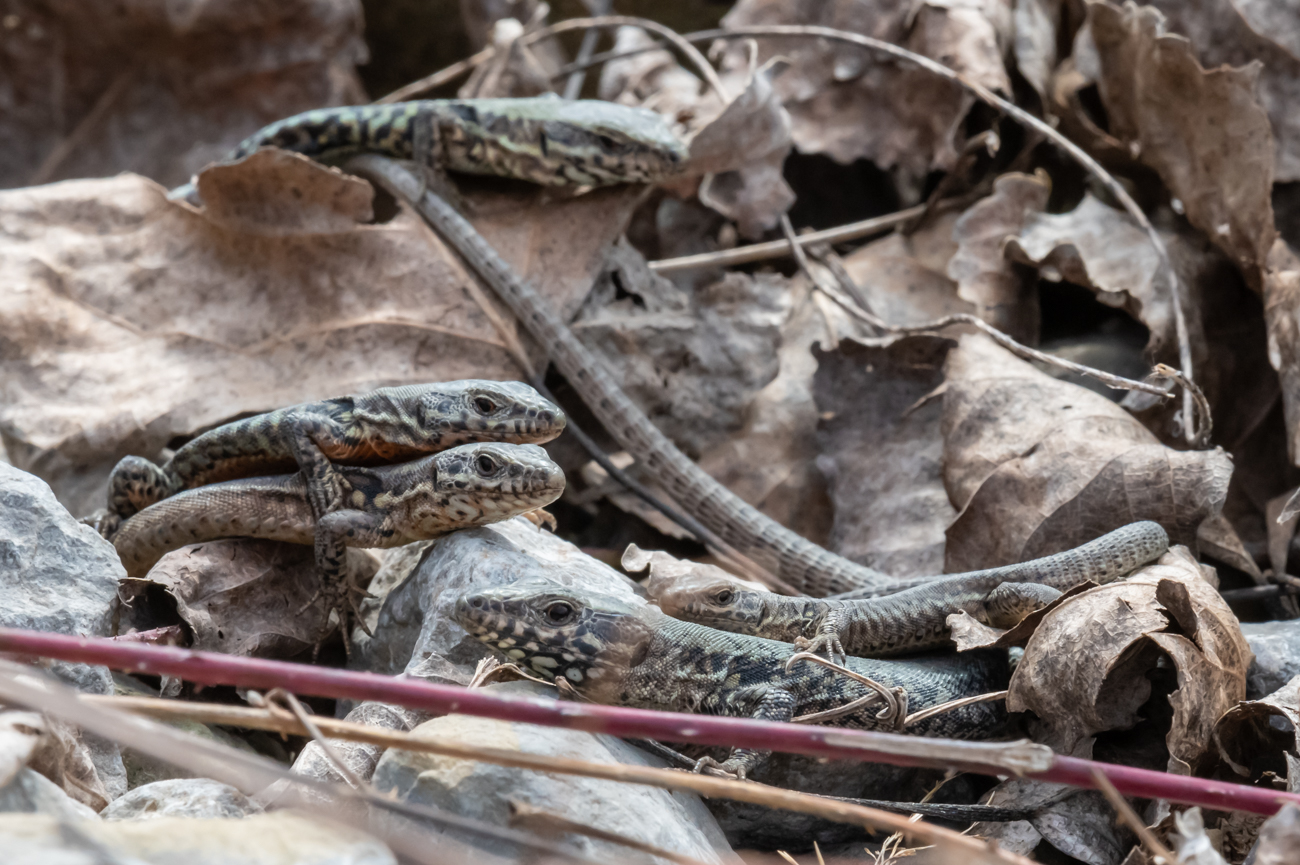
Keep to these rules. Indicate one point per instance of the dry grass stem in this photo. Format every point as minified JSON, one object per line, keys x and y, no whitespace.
{"x":1159,"y":852}
{"x":743,"y":791}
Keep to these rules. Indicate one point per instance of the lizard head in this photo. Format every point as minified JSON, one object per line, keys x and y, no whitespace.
{"x":486,"y":482}
{"x":710,"y":600}
{"x":474,"y":409}
{"x":587,"y":638}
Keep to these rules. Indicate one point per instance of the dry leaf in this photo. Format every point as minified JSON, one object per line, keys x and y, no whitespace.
{"x":1100,"y":248}
{"x":1037,"y":23}
{"x":1037,"y":466}
{"x":1202,"y":131}
{"x":1279,"y":837}
{"x":1084,"y":670}
{"x":1003,"y":296}
{"x":652,"y":79}
{"x":743,"y":151}
{"x":162,"y":90}
{"x":129,"y":320}
{"x":904,"y":276}
{"x":239,"y":597}
{"x":1251,"y":743}
{"x":850,"y":104}
{"x":1238,"y":33}
{"x":882,"y":452}
{"x":770,"y":461}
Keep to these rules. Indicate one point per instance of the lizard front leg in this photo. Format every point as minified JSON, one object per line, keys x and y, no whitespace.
{"x":134,"y":485}
{"x":828,"y":635}
{"x":312,"y":436}
{"x":335,"y":532}
{"x":776,"y":705}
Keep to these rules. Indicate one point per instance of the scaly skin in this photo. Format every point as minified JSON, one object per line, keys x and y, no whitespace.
{"x":913,"y":620}
{"x":385,"y":425}
{"x":614,"y":652}
{"x":387,"y":506}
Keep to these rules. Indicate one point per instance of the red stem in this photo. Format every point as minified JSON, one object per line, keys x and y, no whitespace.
{"x":210,"y":668}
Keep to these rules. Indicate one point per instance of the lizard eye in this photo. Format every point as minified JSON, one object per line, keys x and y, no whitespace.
{"x":485,"y":465}
{"x":725,"y":596}
{"x":558,"y":612}
{"x":484,"y":405}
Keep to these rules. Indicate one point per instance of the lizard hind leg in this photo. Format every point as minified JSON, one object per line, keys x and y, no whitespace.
{"x":1009,"y":603}
{"x":335,"y":532}
{"x":136,"y":483}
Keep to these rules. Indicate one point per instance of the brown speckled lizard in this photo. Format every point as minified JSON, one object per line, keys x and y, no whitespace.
{"x":615,"y":652}
{"x":912,"y":620}
{"x":382,"y":426}
{"x":386,"y":506}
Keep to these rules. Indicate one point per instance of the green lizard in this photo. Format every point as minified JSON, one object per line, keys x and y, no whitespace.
{"x":550,"y":141}
{"x":386,"y":506}
{"x":384,"y":425}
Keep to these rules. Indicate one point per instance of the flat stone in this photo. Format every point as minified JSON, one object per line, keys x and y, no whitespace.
{"x":181,"y":797}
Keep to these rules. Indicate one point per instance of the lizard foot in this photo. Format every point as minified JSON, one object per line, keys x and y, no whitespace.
{"x":827,"y":641}
{"x":736,"y":773}
{"x":342,"y":600}
{"x":105,"y":522}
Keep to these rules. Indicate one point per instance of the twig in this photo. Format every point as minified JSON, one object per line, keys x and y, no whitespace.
{"x":1021,"y":758}
{"x":781,"y":248}
{"x":271,"y":702}
{"x":573,"y":87}
{"x":1129,"y":817}
{"x":437,"y":79}
{"x":706,"y":69}
{"x":1199,"y":434}
{"x":1113,"y":381}
{"x":722,"y":788}
{"x":952,"y":706}
{"x":895,"y":698}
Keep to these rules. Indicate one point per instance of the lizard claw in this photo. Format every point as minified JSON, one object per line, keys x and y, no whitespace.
{"x":738,"y":774}
{"x":828,"y":641}
{"x":341,"y":600}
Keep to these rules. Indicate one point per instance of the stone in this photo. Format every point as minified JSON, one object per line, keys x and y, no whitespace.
{"x":181,"y":797}
{"x":671,"y":821}
{"x":31,"y":792}
{"x":1277,"y":656}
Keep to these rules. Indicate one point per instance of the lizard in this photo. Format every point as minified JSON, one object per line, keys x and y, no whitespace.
{"x":613,"y":651}
{"x":912,"y":620}
{"x":383,"y":506}
{"x":548,"y":141}
{"x":384,"y":425}
{"x":559,"y":142}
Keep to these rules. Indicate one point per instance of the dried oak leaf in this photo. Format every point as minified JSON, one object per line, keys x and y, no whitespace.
{"x":1084,"y":669}
{"x":241,"y":597}
{"x":904,"y":276}
{"x":1202,"y":131}
{"x":162,"y":88}
{"x":1036,"y":465}
{"x":1100,"y":248}
{"x":882,"y":452}
{"x":129,"y":320}
{"x":1238,"y":33}
{"x":850,"y":104}
{"x":1003,"y":294}
{"x":1037,"y":23}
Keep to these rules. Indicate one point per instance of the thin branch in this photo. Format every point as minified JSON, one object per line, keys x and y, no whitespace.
{"x":1113,"y":381}
{"x":781,"y":248}
{"x":667,"y":779}
{"x":437,"y":79}
{"x":1020,"y":758}
{"x":706,"y":69}
{"x":1159,"y":852}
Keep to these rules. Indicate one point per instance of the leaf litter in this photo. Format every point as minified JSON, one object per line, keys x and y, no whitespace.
{"x":132,"y":322}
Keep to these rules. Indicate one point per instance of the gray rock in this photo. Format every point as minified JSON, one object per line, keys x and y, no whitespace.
{"x":181,"y":797}
{"x":262,"y":839}
{"x":31,"y":792}
{"x":55,"y":573}
{"x":59,"y":575}
{"x":359,"y":757}
{"x":675,"y":822}
{"x":415,"y":632}
{"x":1277,"y":656}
